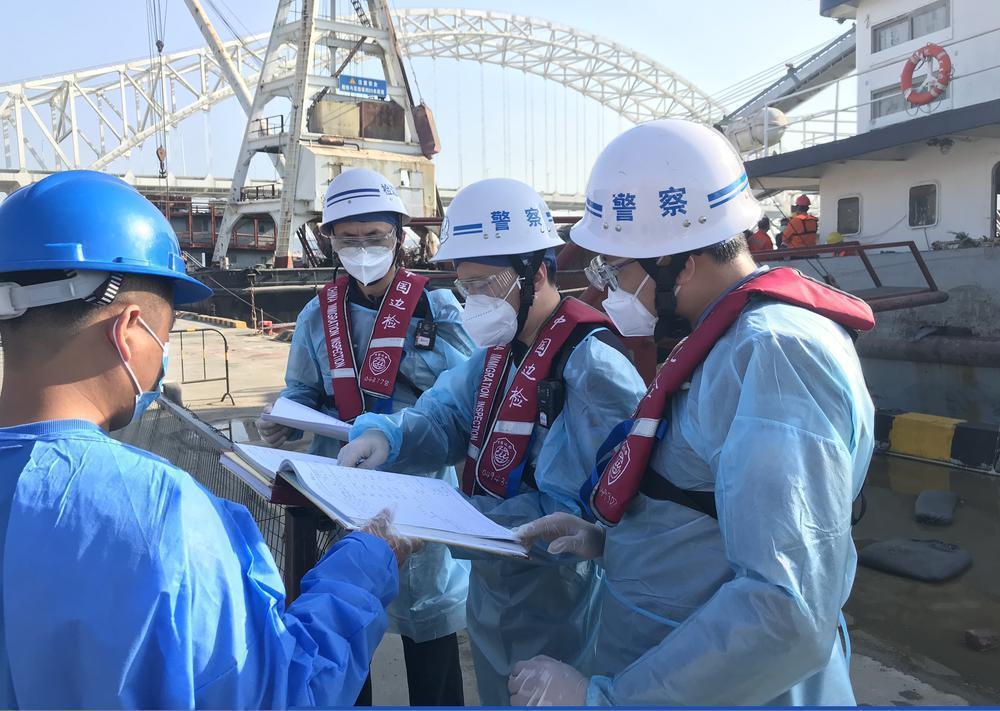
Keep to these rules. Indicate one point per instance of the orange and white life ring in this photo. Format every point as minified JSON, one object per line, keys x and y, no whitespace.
{"x":938,"y":80}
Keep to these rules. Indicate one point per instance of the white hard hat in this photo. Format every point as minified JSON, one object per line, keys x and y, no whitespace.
{"x":497,"y":216}
{"x":358,"y":191}
{"x":665,"y":187}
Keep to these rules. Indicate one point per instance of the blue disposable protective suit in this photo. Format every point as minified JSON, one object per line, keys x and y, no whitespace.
{"x":433,"y":586}
{"x":127,"y":585}
{"x":744,"y":610}
{"x":519,"y":609}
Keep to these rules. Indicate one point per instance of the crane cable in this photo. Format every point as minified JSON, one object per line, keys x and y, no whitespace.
{"x":409,"y":59}
{"x":156,"y":20}
{"x":238,"y":36}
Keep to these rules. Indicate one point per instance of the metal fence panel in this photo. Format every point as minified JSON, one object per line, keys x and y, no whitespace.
{"x":170,"y":436}
{"x":195,"y":368}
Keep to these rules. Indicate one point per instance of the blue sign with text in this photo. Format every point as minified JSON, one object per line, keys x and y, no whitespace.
{"x":362,"y":87}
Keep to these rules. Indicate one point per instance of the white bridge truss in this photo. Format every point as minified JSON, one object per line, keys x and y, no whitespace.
{"x":630,"y":83}
{"x":92,"y":118}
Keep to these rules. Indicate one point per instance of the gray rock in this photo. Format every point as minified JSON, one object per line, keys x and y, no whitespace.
{"x":936,"y":508}
{"x":926,"y":560}
{"x":982,"y":640}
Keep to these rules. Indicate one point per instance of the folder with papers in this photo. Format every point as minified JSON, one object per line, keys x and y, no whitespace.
{"x":424,"y":508}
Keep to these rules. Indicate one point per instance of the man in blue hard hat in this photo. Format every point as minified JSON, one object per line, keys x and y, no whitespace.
{"x":124,"y":583}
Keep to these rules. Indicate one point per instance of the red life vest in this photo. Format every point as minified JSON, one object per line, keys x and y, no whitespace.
{"x":385,"y":347}
{"x":500,"y":435}
{"x":622,"y":476}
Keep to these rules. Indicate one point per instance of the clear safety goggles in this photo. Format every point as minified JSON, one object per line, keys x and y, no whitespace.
{"x":497,"y":285}
{"x":603,"y":274}
{"x":382,"y":239}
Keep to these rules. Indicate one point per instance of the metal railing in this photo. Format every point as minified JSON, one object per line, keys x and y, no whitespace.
{"x":268,"y":191}
{"x":880,"y":297}
{"x":792,"y":84}
{"x":842,"y":121}
{"x":572,"y":281}
{"x":270,"y":125}
{"x":204,"y":377}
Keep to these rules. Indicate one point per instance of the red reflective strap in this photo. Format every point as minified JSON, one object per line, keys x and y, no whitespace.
{"x":624,"y":472}
{"x":337,"y":332}
{"x":495,"y":456}
{"x":495,"y":368}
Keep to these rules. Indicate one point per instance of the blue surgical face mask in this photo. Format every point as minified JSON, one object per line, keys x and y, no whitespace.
{"x":145,"y":398}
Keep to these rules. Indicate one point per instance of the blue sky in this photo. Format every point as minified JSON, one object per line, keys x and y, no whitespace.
{"x":713,"y":43}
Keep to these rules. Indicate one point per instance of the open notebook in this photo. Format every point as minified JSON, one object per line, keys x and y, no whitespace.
{"x":300,"y":417}
{"x":423,"y":508}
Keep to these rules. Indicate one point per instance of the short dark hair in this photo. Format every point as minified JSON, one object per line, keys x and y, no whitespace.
{"x":70,"y":316}
{"x":725,"y":252}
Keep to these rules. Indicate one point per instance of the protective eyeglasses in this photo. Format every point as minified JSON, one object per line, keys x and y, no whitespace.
{"x":383,"y":239}
{"x":604,"y":275}
{"x":497,"y":285}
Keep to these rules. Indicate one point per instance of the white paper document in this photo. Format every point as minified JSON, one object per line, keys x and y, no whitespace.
{"x":269,"y":459}
{"x":300,"y":417}
{"x":423,"y":508}
{"x":359,"y":494}
{"x":428,"y":509}
{"x":258,"y":466}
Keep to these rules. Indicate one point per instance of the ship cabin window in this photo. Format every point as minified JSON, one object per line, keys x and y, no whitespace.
{"x":923,"y":205}
{"x":849,"y":215}
{"x":890,"y":99}
{"x":922,"y":21}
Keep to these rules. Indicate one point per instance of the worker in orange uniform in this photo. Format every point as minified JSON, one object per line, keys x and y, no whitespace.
{"x":802,"y":227}
{"x":760,"y":241}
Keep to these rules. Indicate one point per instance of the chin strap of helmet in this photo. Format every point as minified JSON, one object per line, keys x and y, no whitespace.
{"x":664,"y":276}
{"x":526,"y":266}
{"x":397,"y":258}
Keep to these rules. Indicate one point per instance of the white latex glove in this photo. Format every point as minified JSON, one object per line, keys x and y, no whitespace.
{"x":381,"y":526}
{"x":273,"y":433}
{"x":567,"y":533}
{"x":542,"y":681}
{"x":369,"y":451}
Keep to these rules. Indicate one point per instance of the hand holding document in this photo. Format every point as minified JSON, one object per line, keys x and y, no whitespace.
{"x":427,"y":509}
{"x":300,"y":417}
{"x":402,"y":546}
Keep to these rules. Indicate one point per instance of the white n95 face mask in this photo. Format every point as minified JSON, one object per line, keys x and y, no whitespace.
{"x":489,"y":321}
{"x":630,"y":316}
{"x":367,"y":264}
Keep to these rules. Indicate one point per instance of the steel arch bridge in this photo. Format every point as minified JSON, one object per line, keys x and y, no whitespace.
{"x":91,"y":118}
{"x":635,"y":86}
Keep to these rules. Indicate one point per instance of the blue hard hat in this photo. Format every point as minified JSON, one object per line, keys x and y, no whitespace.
{"x":88,"y":221}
